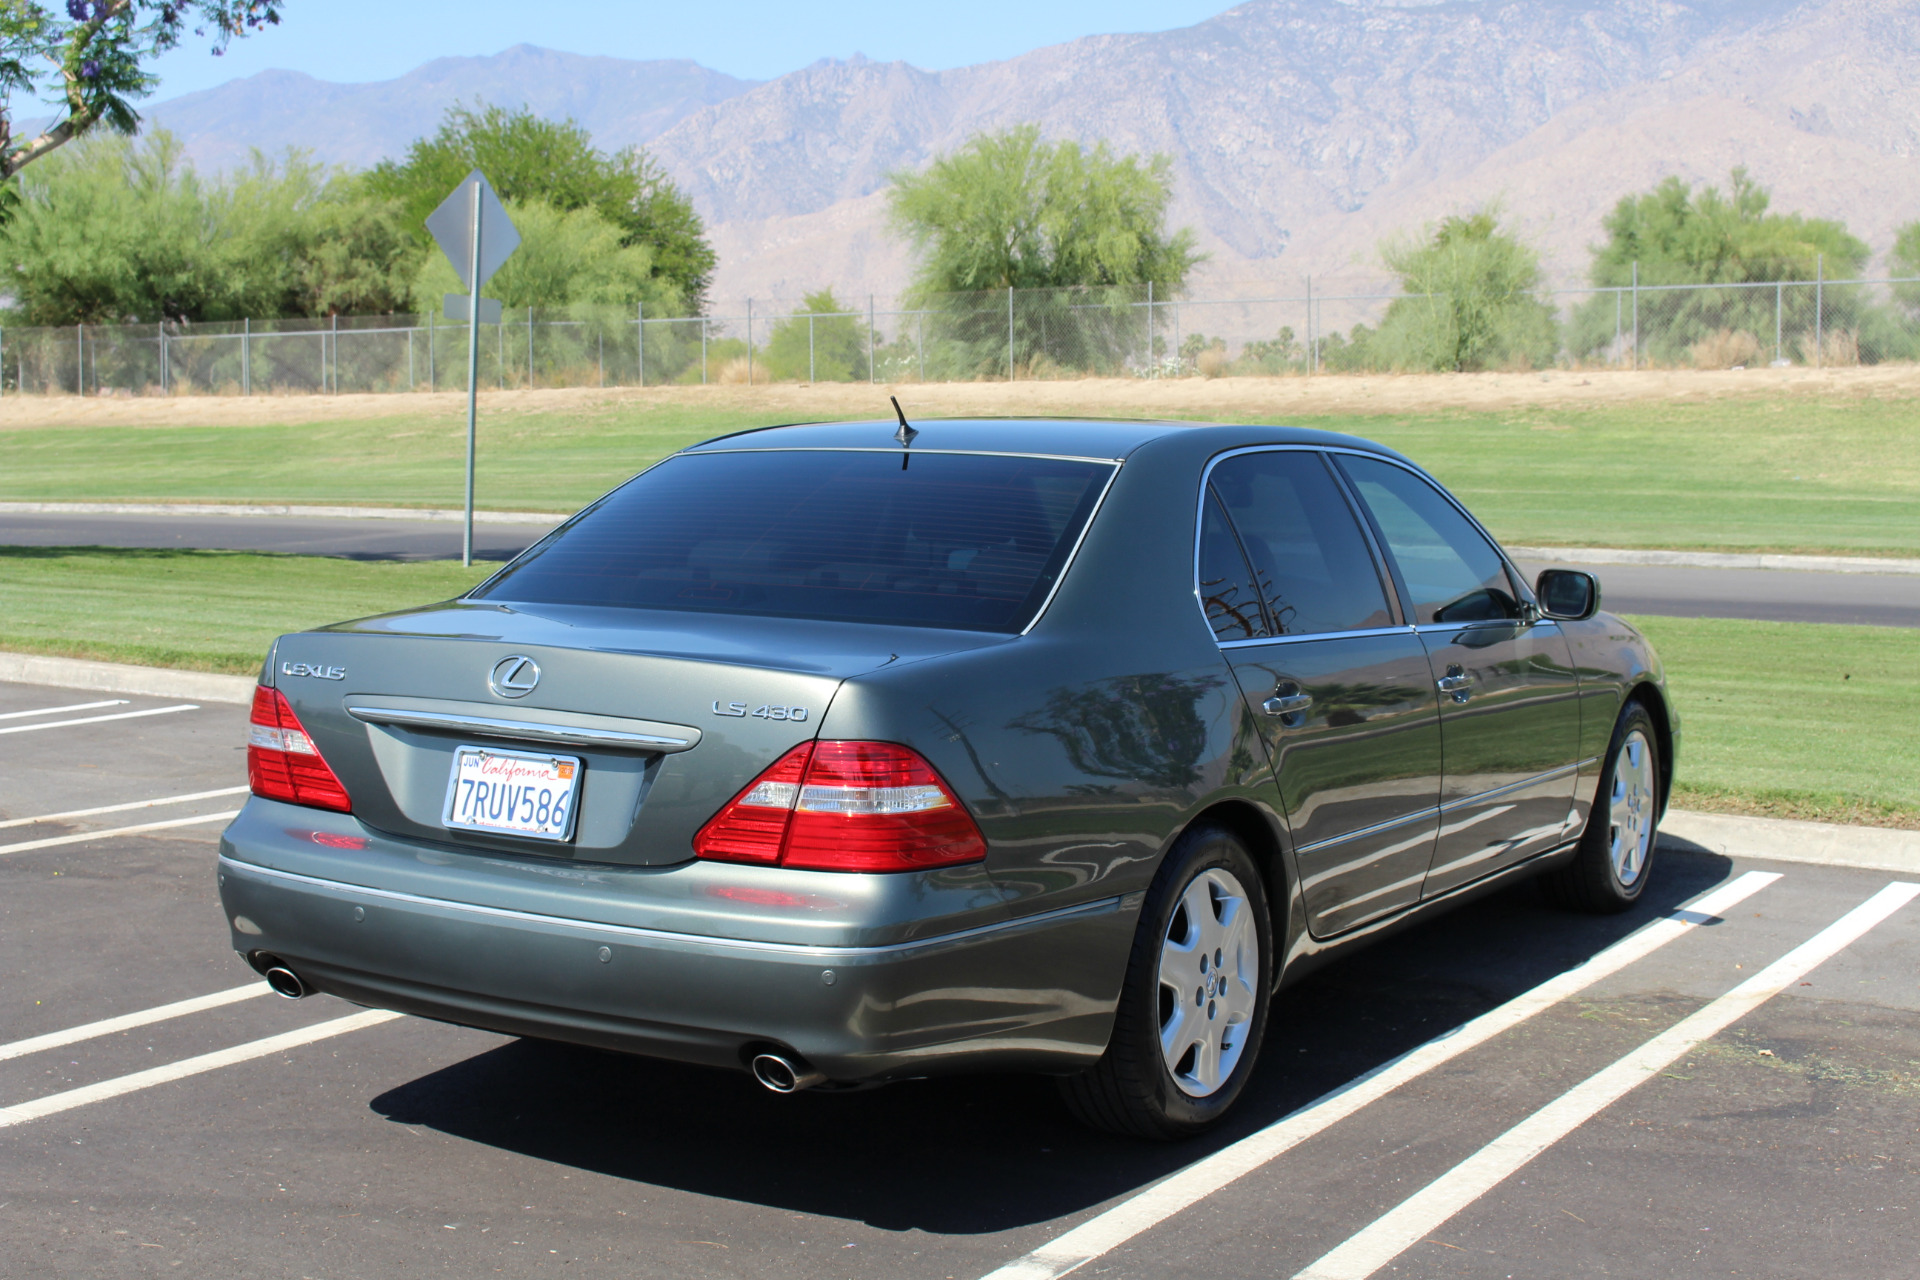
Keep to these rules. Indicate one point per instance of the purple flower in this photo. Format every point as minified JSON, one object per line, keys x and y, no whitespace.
{"x":77,"y":10}
{"x":89,"y":69}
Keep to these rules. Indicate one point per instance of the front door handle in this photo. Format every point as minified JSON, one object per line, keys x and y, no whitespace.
{"x":1456,"y":684}
{"x":1289,"y":701}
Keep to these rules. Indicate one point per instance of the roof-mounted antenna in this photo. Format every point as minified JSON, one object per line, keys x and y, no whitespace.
{"x":906,"y":434}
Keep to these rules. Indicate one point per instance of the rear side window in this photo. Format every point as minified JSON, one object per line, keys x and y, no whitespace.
{"x":1310,"y":561}
{"x":930,"y":540}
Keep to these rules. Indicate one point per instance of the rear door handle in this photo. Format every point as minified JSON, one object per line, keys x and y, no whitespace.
{"x":1287,"y":700}
{"x":1456,"y":684}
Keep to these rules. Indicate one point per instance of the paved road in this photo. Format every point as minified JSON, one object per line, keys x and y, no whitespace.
{"x":1788,"y":1145}
{"x":1785,"y":596}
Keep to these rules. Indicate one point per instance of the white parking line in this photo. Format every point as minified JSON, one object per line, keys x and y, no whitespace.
{"x":124,"y":715}
{"x":1116,"y":1226}
{"x":1417,"y":1216}
{"x":54,"y":711}
{"x":82,"y":837}
{"x":58,"y":1102}
{"x":128,"y":1021}
{"x":122,"y":808}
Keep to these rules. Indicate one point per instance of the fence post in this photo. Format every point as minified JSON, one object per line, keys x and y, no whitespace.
{"x":1819,"y":312}
{"x":1636,"y":313}
{"x":872,"y":375}
{"x":1009,"y":333}
{"x":413,"y":381}
{"x":1152,"y":361}
{"x":333,"y":343}
{"x":433,"y":329}
{"x":1313,"y":343}
{"x":640,"y":338}
{"x":810,"y":371}
{"x":1779,"y":291}
{"x":246,"y":356}
{"x":703,"y":351}
{"x":1176,"y":335}
{"x":920,"y":344}
{"x":80,"y":360}
{"x":162,"y":329}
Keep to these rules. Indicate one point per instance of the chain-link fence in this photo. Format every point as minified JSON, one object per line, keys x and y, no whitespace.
{"x":1327,"y":325}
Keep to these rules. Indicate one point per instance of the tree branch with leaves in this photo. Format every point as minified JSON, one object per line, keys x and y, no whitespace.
{"x":87,"y":59}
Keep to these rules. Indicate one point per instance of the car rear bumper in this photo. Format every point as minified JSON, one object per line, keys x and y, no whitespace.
{"x":1036,"y":993}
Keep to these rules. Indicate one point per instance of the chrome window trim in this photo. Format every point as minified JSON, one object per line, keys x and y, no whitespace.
{"x":799,"y":950}
{"x":697,"y":452}
{"x":520,"y":730}
{"x":1316,"y":635}
{"x":1389,"y":588}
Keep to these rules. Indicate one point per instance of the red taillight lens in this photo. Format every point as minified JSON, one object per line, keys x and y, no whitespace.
{"x":845,"y":806}
{"x":283,"y":763}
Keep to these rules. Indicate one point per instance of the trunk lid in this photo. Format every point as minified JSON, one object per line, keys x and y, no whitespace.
{"x":669,"y":714}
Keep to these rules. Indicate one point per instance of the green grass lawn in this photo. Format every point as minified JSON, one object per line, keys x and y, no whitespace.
{"x":1784,"y":474}
{"x":1791,"y":719}
{"x":1797,"y":720}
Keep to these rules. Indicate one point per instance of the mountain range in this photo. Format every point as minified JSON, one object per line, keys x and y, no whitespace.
{"x":1302,"y":132}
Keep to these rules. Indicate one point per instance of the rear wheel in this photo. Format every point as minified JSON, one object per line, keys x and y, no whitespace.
{"x":1194,"y":1007}
{"x":1610,"y":870}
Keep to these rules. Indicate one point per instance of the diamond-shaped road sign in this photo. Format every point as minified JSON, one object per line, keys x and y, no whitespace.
{"x":453,"y":225}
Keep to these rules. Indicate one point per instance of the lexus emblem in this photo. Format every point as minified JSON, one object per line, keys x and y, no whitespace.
{"x":514,"y":677}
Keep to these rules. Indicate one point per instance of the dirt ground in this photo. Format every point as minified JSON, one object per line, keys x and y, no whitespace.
{"x":1233,"y":398}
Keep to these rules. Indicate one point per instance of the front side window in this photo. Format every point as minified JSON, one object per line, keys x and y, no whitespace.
{"x":1313,"y":569}
{"x":931,"y":540}
{"x":1451,"y":570}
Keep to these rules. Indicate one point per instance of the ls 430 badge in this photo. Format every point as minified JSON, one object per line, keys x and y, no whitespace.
{"x":764,"y":711}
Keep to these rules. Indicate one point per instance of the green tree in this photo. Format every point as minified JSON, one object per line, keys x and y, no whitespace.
{"x":1677,"y":235}
{"x":116,"y":230}
{"x":1905,"y":261}
{"x":89,"y":62}
{"x":1008,"y":210}
{"x":529,"y":159}
{"x":1473,"y":302}
{"x":566,"y":257}
{"x":821,"y":342}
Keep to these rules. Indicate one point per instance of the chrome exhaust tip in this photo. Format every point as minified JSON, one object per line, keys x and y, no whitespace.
{"x":784,"y":1074}
{"x":285,"y":982}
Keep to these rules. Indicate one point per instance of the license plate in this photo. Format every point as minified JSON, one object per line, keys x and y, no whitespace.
{"x":512,"y":793}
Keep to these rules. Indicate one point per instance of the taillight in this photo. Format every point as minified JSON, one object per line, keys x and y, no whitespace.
{"x":283,"y":763}
{"x":845,"y":806}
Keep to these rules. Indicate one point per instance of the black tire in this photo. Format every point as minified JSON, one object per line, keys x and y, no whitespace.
{"x":1133,"y":1089}
{"x":1606,"y":876}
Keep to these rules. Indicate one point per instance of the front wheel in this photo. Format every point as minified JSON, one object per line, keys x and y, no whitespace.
{"x":1615,"y":857}
{"x":1194,"y":1006}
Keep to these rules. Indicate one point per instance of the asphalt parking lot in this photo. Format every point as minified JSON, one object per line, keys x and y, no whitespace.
{"x":1724,"y":1082}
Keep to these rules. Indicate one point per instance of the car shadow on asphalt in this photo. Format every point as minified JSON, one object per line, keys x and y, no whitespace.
{"x":970,"y":1155}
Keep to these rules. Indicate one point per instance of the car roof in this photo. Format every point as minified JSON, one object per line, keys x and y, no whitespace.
{"x":1056,"y":437}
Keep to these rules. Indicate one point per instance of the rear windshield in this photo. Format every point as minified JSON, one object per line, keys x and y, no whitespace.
{"x":930,"y":540}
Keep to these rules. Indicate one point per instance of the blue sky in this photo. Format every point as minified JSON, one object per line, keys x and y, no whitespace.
{"x":353,"y":40}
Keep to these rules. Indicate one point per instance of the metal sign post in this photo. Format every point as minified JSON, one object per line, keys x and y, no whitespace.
{"x":472,"y":228}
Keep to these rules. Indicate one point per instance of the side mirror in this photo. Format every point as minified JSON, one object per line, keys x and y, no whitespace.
{"x":1568,"y":594}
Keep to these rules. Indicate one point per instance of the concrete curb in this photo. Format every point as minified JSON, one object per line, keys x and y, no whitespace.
{"x":118,"y":677}
{"x":436,"y":514}
{"x":1824,"y":844}
{"x":1715,"y":560}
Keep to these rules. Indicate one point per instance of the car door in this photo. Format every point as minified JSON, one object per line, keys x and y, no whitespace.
{"x":1509,"y":698}
{"x":1338,"y":684}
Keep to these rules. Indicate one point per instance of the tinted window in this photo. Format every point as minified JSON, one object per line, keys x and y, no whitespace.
{"x":1226,"y":584}
{"x":946,"y":541}
{"x":1452,"y":571}
{"x":1310,"y":559}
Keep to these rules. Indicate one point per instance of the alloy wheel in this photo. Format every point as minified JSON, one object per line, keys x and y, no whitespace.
{"x":1209,"y":982}
{"x":1630,"y":808}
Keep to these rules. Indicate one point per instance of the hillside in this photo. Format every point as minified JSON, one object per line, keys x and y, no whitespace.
{"x":1302,"y":131}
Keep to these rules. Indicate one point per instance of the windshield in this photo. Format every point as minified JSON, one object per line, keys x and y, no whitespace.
{"x":926,"y":540}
